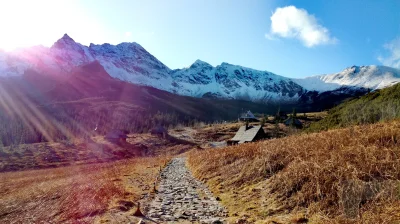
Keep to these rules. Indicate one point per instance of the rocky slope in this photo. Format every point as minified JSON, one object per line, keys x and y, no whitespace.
{"x":369,"y":77}
{"x":232,"y":81}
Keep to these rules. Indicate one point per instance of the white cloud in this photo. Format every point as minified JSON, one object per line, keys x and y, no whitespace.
{"x":393,"y":60}
{"x":291,"y":22}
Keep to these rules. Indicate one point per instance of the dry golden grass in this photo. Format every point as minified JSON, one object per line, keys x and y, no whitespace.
{"x":322,"y":114}
{"x":204,"y":134}
{"x":217,"y":132}
{"x":78,"y":151}
{"x":339,"y":176}
{"x":79,"y":193}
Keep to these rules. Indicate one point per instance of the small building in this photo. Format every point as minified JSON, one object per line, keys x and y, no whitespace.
{"x":248,"y":116}
{"x":293,"y":122}
{"x":116,"y":136}
{"x":247,"y":133}
{"x":159,"y":131}
{"x":281,"y":116}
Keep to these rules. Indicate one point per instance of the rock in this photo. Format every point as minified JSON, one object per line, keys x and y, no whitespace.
{"x":177,"y":197}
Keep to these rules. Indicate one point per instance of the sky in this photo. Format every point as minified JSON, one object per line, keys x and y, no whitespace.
{"x":292,"y":38}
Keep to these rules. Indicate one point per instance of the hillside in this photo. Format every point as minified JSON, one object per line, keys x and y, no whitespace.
{"x":36,"y":108}
{"x":379,"y":105}
{"x":347,"y":175}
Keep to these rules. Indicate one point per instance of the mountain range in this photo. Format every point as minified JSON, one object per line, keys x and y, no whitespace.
{"x":130,"y":62}
{"x":68,"y":89}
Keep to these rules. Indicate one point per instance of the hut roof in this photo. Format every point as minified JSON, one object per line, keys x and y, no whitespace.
{"x":294,"y":121}
{"x":246,"y":135}
{"x":248,"y":116}
{"x":116,"y":134}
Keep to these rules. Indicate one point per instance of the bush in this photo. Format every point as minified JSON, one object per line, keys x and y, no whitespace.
{"x":381,"y":105}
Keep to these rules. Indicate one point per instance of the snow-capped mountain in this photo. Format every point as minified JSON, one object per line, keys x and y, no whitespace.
{"x":232,"y":81}
{"x":368,"y":77}
{"x":12,"y":66}
{"x":130,"y":62}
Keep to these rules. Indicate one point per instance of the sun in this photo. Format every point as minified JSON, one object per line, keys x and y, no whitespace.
{"x":25,"y":23}
{"x":21,"y":22}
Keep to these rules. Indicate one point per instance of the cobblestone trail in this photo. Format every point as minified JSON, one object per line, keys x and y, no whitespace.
{"x":182,"y":198}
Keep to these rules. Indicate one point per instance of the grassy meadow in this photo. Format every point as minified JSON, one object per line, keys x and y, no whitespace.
{"x":81,"y":181}
{"x":349,"y":175}
{"x":94,"y":193}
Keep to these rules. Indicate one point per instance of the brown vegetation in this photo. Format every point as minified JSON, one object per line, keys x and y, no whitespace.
{"x":217,"y":132}
{"x":204,"y":134}
{"x":79,"y":151}
{"x":79,"y":193}
{"x":337,"y":176}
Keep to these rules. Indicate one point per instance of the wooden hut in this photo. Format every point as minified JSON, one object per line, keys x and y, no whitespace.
{"x":249,"y":117}
{"x":247,"y":133}
{"x":291,"y":121}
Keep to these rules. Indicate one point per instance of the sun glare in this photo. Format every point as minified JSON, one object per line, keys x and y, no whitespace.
{"x":29,"y":23}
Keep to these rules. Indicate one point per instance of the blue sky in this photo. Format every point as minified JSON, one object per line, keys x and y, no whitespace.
{"x":289,"y":38}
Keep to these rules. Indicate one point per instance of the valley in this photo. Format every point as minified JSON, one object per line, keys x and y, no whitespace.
{"x":345,"y":175}
{"x":95,"y":134}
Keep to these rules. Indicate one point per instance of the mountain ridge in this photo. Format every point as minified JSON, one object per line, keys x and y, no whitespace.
{"x":130,"y":62}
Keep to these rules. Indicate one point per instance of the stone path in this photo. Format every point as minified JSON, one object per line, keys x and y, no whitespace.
{"x":182,"y":198}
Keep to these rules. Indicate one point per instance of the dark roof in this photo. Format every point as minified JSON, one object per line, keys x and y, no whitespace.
{"x":116,"y":134}
{"x":243,"y":135}
{"x":248,"y":116}
{"x":294,"y":121}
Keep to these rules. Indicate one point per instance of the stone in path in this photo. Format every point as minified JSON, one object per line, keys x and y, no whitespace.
{"x":182,"y":198}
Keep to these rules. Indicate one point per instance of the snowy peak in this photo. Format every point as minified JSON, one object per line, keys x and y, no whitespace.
{"x":132,"y":63}
{"x":199,"y":73}
{"x":65,"y":42}
{"x":200,"y":64}
{"x":66,"y":37}
{"x":234,"y":82}
{"x":265,"y":85}
{"x":126,"y":61}
{"x":369,"y":77}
